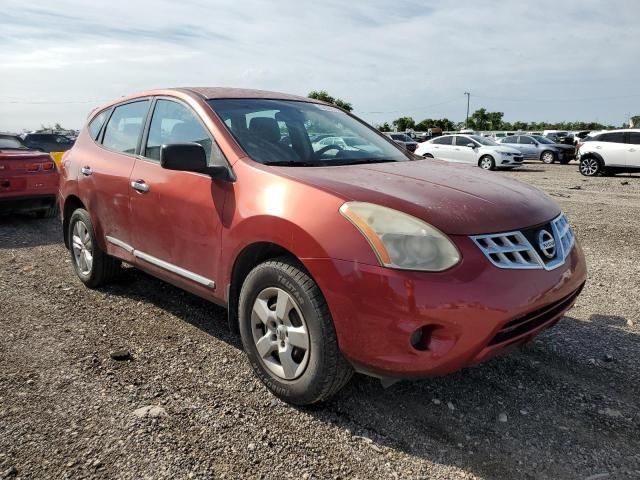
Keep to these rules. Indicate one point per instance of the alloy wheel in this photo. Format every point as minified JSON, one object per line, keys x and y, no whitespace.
{"x":280,"y":333}
{"x":82,"y":248}
{"x":485,"y":163}
{"x":589,"y":167}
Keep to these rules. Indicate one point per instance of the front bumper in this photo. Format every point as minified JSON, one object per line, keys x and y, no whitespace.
{"x":470,"y":312}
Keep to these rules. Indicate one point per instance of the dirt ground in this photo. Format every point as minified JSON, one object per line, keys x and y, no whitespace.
{"x":565,"y":407}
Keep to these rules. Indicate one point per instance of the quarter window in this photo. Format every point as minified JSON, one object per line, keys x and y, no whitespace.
{"x":96,"y":124}
{"x":123,"y":130}
{"x":510,"y":140}
{"x":173,"y":123}
{"x":634,"y":138}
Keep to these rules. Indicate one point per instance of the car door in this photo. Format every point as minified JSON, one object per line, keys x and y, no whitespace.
{"x":633,"y":149}
{"x":176,"y":215}
{"x":442,"y":147}
{"x":612,"y":148}
{"x":103,"y":183}
{"x":528,"y":146}
{"x":462,"y":152}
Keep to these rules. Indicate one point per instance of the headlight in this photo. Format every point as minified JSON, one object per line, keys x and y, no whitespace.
{"x":506,"y":154}
{"x":400,"y":240}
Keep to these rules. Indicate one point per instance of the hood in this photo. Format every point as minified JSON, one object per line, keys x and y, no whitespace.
{"x":455,"y":198}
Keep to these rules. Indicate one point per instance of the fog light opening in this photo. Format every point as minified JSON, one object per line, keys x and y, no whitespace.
{"x":421,"y":338}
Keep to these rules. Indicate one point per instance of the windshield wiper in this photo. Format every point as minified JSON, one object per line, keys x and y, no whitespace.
{"x":290,"y":163}
{"x":363,"y":161}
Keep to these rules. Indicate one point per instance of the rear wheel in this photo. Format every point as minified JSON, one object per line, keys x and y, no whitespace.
{"x":288,"y":334}
{"x":590,"y":167}
{"x":92,"y":265}
{"x":487,"y":163}
{"x":548,"y":157}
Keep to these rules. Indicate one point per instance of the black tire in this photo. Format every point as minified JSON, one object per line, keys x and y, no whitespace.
{"x":590,"y":166}
{"x":50,"y":212}
{"x":548,"y":157}
{"x":487,"y":162}
{"x":104,"y":267}
{"x":565,"y":161}
{"x":326,"y":371}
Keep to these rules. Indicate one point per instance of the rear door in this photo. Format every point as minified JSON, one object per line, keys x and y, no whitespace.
{"x":443,"y":147}
{"x":176,"y":216}
{"x":633,"y":149}
{"x":612,"y":148}
{"x":104,"y":179}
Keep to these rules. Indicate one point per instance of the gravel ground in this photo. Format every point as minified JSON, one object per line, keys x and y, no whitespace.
{"x":566,"y":406}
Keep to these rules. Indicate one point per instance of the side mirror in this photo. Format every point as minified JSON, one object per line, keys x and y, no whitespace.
{"x":471,"y":145}
{"x":191,"y":157}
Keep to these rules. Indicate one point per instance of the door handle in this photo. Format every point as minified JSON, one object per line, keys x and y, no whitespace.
{"x":140,"y":186}
{"x":86,"y":170}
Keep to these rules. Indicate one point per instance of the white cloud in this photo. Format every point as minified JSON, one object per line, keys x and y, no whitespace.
{"x":534,"y":62}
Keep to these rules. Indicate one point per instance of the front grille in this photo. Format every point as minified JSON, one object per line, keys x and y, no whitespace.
{"x":517,"y":159}
{"x":524,"y":249}
{"x":526,"y":323}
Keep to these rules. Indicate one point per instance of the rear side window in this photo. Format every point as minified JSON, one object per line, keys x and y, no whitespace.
{"x":634,"y":138}
{"x":509,"y":140}
{"x":123,"y":130}
{"x":96,"y":124}
{"x":173,"y":123}
{"x":443,"y":141}
{"x":614,"y":137}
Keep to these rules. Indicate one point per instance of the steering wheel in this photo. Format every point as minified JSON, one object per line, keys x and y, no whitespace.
{"x":323,"y":150}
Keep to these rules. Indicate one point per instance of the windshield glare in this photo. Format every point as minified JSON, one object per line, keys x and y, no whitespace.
{"x":483,"y":140}
{"x":309,"y":134}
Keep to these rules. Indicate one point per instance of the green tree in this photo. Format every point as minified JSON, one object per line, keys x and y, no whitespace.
{"x":479,"y":120}
{"x":404,"y":123}
{"x":495,"y":120}
{"x":635,"y":121}
{"x":385,"y":127}
{"x":324,"y":96}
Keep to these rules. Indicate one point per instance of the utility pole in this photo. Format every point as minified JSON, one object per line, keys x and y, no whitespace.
{"x":466,"y":122}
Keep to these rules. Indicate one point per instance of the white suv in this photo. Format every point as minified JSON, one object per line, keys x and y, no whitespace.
{"x":473,"y":149}
{"x":610,"y":152}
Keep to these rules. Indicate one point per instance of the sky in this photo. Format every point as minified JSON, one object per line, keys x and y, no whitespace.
{"x":560,"y":60}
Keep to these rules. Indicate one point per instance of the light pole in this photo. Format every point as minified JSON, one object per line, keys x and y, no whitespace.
{"x":466,"y":122}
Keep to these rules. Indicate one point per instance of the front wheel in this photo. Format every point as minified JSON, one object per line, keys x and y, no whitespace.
{"x":92,"y":265}
{"x":590,"y":167}
{"x":548,"y":157}
{"x":288,"y":334}
{"x":487,"y":163}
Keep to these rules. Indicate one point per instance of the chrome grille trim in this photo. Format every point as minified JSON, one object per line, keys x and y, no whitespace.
{"x":512,"y":250}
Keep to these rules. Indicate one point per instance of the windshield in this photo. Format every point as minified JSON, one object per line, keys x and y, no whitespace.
{"x":11,"y":143}
{"x":542,"y":139}
{"x":483,"y":140}
{"x":284,"y":132}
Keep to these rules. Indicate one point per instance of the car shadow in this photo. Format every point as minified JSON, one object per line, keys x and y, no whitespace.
{"x":24,"y":231}
{"x":517,"y":416}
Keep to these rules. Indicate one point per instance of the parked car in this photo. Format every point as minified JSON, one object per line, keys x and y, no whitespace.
{"x":557,"y":136}
{"x":403,"y":139}
{"x":48,"y":142}
{"x":472,"y":149}
{"x":611,"y":152}
{"x":28,"y":179}
{"x":537,"y":147}
{"x":328,"y":261}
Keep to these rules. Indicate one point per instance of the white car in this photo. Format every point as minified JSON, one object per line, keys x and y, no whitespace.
{"x":611,"y":152}
{"x":472,"y":149}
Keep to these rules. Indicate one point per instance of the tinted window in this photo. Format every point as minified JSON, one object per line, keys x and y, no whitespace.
{"x":123,"y":130}
{"x":463,"y":141}
{"x":443,"y":141}
{"x":171,"y":123}
{"x":509,"y":140}
{"x":614,"y":137}
{"x":634,"y":138}
{"x":96,"y":124}
{"x":526,"y":141}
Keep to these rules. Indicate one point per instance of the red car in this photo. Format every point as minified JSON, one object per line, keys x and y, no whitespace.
{"x":28,"y":179}
{"x":329,"y":258}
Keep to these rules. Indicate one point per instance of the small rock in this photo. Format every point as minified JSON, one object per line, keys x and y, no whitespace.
{"x":251,"y":447}
{"x":610,"y":412}
{"x":436,"y":401}
{"x":450,"y":406}
{"x":502,"y":418}
{"x":624,"y":182}
{"x":96,"y":463}
{"x":608,"y":358}
{"x":629,"y":323}
{"x":524,"y":412}
{"x":576,"y":187}
{"x":9,"y":472}
{"x":121,"y":355}
{"x":598,"y":476}
{"x":151,"y":411}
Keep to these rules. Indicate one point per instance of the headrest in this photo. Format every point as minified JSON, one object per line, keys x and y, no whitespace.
{"x":265,"y":128}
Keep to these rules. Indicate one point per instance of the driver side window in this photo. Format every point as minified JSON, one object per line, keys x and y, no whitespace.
{"x":172,"y":123}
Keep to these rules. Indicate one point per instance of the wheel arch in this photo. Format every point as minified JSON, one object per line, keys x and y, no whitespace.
{"x":71,"y":203}
{"x":595,"y":155}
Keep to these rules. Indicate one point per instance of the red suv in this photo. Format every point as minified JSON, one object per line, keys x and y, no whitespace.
{"x":28,"y":179}
{"x":330,"y":258}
